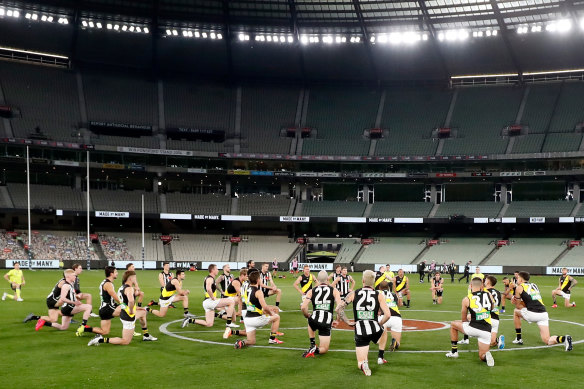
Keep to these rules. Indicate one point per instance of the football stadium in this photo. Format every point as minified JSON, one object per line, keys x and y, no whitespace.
{"x":293,"y":194}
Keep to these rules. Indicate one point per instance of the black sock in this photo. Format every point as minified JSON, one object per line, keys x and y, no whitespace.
{"x":217,"y":314}
{"x":561,"y":339}
{"x":186,"y":311}
{"x":518,"y":333}
{"x":84,"y":322}
{"x":234,"y":332}
{"x":465,"y":337}
{"x":454,"y":346}
{"x":229,"y":320}
{"x":104,"y":340}
{"x":145,"y":331}
{"x":192,"y":320}
{"x":139,"y":304}
{"x":88,"y":329}
{"x":312,"y":342}
{"x":148,"y":309}
{"x":272,"y":335}
{"x":48,"y":324}
{"x":408,"y":302}
{"x":380,"y":354}
{"x":554,"y":299}
{"x":277,"y":303}
{"x":35,"y":317}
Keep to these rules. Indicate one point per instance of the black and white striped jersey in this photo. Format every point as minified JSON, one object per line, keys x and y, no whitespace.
{"x":70,"y":296}
{"x":365,"y":309}
{"x":265,"y":279}
{"x":343,"y":285}
{"x":227,"y":280}
{"x":106,"y":299}
{"x":323,"y":302}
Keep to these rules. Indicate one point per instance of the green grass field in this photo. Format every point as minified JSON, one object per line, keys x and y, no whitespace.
{"x":51,"y":358}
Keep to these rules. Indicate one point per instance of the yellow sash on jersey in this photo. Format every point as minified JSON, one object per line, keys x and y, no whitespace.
{"x":253,"y":308}
{"x":481,"y":313}
{"x":379,"y":280}
{"x":127,"y":310}
{"x":167,"y":293}
{"x":391,"y":303}
{"x":565,"y":283}
{"x":402,"y":284}
{"x":231,"y":294}
{"x":308,"y":284}
{"x":532,"y":292}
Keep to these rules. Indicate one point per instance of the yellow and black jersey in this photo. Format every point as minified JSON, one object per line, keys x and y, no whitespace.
{"x":379,"y":278}
{"x":254,"y":308}
{"x":231,"y":291}
{"x":400,"y":283}
{"x":391,"y":301}
{"x":565,"y":283}
{"x":126,"y":314}
{"x":169,"y":289}
{"x":480,"y":307}
{"x":532,"y":297}
{"x":213,"y":287}
{"x":306,"y":283}
{"x":497,"y":301}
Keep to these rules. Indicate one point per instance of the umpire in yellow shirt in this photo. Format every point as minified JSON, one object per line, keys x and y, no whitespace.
{"x":16,"y":280}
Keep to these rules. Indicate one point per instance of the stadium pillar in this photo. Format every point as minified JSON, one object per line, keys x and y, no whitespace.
{"x":28,"y":208}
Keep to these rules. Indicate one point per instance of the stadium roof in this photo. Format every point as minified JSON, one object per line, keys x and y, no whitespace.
{"x":502,"y":26}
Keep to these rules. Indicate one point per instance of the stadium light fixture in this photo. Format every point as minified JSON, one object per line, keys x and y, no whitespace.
{"x":204,"y":35}
{"x":213,"y":35}
{"x":132,"y":28}
{"x":27,"y":15}
{"x":290,"y":39}
{"x":44,"y":18}
{"x":109,"y":26}
{"x":304,"y":39}
{"x":2,"y":12}
{"x":146,"y":30}
{"x":197,"y":34}
{"x":185,"y":33}
{"x":84,"y":23}
{"x":50,"y":19}
{"x":125,"y":28}
{"x":98,"y":25}
{"x":116,"y":27}
{"x":220,"y":36}
{"x":64,"y":21}
{"x":174,"y":32}
{"x":91,"y":25}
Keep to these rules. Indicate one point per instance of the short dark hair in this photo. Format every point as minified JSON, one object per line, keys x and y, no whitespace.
{"x":254,"y":277}
{"x":476,"y":281}
{"x":178,"y":272}
{"x":243,"y":272}
{"x":128,"y":274}
{"x":128,"y":265}
{"x":249,"y":262}
{"x":109,"y":270}
{"x":524,"y":275}
{"x":492,"y":280}
{"x":212,"y":267}
{"x":384,"y":285}
{"x":165,"y":263}
{"x":75,"y":266}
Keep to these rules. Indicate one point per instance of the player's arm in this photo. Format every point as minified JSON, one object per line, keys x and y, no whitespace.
{"x":574,"y":282}
{"x":304,"y":307}
{"x":161,"y":280}
{"x":464,"y":309}
{"x":518,"y":291}
{"x":64,"y":293}
{"x":331,"y":276}
{"x":109,"y":288}
{"x":296,"y":283}
{"x":265,"y":307}
{"x":130,"y":295}
{"x":218,"y":284}
{"x":209,"y":288}
{"x":179,"y":290}
{"x":335,"y":282}
{"x":352,"y":283}
{"x":341,"y":308}
{"x":384,"y":308}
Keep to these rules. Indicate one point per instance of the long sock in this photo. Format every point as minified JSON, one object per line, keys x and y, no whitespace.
{"x":48,"y":324}
{"x":229,"y":320}
{"x":454,"y":346}
{"x":186,"y":311}
{"x":104,"y":340}
{"x":217,"y":315}
{"x":554,"y":299}
{"x":18,"y":293}
{"x":272,"y":335}
{"x":84,"y":322}
{"x":234,"y":332}
{"x":561,"y":339}
{"x":87,"y":329}
{"x":35,"y":317}
{"x":145,"y":331}
{"x":192,"y":320}
{"x":380,"y":354}
{"x":465,"y":337}
{"x":139,"y":304}
{"x":148,"y":309}
{"x":518,"y":333}
{"x":408,"y":302}
{"x":277,"y":303}
{"x":312,"y":342}
{"x":11,"y":297}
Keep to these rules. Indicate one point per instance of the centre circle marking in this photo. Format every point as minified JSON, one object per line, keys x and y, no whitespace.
{"x":164,"y":329}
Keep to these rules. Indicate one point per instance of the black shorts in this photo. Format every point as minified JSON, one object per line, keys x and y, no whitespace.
{"x":322,"y":328}
{"x":106,"y":313}
{"x":365,"y":340}
{"x":12,"y":286}
{"x":51,"y":303}
{"x":295,"y":268}
{"x":67,"y":310}
{"x":439,"y":293}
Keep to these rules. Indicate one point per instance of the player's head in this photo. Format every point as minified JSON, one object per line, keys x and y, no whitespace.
{"x":505,"y":281}
{"x":516,"y":273}
{"x":490,"y":281}
{"x":306,"y":270}
{"x":254,"y":277}
{"x":437,"y":275}
{"x":180,"y":274}
{"x":384,"y":285}
{"x":212,"y":269}
{"x":564,"y":271}
{"x":477,"y":270}
{"x":476,"y":284}
{"x":166,"y":267}
{"x":16,"y":265}
{"x":382,"y":269}
{"x":69,"y":275}
{"x":226,"y":269}
{"x":368,"y":278}
{"x":523,"y":276}
{"x":344,"y":271}
{"x":243,"y":274}
{"x":400,"y":272}
{"x":129,"y":277}
{"x":250,"y":264}
{"x":111,"y":271}
{"x":130,"y":266}
{"x":387,"y":267}
{"x":322,"y":277}
{"x":77,"y":268}
{"x":338,"y":268}
{"x":265,"y":267}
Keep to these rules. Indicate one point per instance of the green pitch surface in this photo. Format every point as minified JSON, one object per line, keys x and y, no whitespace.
{"x":199,"y":357}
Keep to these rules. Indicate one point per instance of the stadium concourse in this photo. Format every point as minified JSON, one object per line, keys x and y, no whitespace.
{"x":371,"y":182}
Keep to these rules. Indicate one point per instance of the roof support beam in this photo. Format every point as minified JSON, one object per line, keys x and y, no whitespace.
{"x":366,"y":38}
{"x":505,"y":37}
{"x":227,"y":37}
{"x":434,"y":39}
{"x":296,"y":32}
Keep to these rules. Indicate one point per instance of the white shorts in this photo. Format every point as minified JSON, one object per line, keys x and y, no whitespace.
{"x":483,"y":336}
{"x":254,"y":323}
{"x":541,"y":318}
{"x":565,"y":295}
{"x":166,"y":303}
{"x":394,"y":323}
{"x":494,"y":325}
{"x":243,"y":313}
{"x":399,"y":295}
{"x":128,"y":325}
{"x":210,"y":305}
